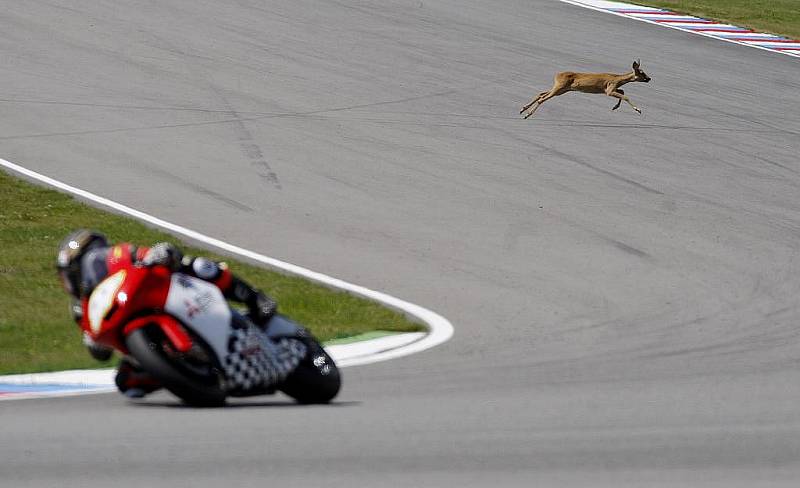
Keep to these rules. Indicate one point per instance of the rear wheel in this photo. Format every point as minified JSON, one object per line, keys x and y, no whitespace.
{"x":192,"y":376}
{"x":316,"y":379}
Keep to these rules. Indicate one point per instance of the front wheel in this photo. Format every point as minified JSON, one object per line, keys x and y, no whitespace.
{"x":191,"y":376}
{"x":316,"y":379}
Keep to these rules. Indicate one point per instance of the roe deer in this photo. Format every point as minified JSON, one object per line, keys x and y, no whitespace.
{"x":607,"y":83}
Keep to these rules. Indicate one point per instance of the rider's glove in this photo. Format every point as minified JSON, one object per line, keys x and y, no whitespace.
{"x":76,"y":309}
{"x":164,"y":254}
{"x":262,"y":308}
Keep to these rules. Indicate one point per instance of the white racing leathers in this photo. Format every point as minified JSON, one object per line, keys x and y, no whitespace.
{"x":250,"y":359}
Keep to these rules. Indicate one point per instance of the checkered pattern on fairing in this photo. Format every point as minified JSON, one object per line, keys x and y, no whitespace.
{"x":254,"y":360}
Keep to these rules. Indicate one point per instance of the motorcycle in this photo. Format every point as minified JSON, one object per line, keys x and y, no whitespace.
{"x":180,"y":329}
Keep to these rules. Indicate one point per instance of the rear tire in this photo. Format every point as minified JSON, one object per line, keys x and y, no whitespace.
{"x":193,"y":376}
{"x":316,"y":379}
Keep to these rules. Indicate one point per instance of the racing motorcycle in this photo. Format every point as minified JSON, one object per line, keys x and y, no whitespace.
{"x":180,"y":329}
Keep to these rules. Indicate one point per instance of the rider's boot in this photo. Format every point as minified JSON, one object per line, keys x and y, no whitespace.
{"x":133,"y":381}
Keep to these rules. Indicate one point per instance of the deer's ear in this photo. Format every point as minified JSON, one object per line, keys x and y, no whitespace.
{"x":636,"y":65}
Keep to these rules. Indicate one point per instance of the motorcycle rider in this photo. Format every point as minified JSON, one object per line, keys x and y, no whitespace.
{"x":83,"y":261}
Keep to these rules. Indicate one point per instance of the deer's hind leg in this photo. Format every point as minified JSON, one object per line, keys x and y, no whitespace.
{"x":534,"y":100}
{"x":543,"y":98}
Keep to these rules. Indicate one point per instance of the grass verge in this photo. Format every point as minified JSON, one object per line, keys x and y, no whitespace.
{"x":772,"y":16}
{"x":36,"y":331}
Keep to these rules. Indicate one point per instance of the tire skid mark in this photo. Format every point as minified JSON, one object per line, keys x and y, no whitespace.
{"x":198,"y":188}
{"x":248,"y":145}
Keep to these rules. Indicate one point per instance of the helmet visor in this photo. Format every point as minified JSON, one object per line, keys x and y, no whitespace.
{"x":66,"y":283}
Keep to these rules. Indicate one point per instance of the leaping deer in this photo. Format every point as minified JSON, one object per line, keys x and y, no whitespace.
{"x":607,"y":83}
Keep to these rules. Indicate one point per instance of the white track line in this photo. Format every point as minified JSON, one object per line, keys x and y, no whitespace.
{"x":57,"y":384}
{"x":604,"y":6}
{"x":439,"y":328}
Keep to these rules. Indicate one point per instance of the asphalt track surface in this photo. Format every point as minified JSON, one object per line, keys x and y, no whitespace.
{"x":624,"y":289}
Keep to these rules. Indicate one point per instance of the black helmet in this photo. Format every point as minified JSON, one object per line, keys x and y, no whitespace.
{"x":70,"y":252}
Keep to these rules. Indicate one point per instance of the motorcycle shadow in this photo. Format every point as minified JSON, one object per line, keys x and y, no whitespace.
{"x":168,"y":403}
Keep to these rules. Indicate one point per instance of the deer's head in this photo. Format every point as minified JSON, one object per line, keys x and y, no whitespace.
{"x":640,"y":75}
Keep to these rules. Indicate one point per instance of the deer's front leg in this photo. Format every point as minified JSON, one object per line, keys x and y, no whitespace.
{"x":619,"y":90}
{"x":626,"y":99}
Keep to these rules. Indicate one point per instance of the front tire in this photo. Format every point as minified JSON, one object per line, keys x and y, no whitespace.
{"x":191,"y":376}
{"x":316,"y":379}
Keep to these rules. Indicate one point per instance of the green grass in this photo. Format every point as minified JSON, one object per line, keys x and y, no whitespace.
{"x":36,"y":331}
{"x":773,"y":16}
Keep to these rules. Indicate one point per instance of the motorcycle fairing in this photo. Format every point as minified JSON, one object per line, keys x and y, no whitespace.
{"x":202,"y":307}
{"x":173,"y":329}
{"x":102,"y":299}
